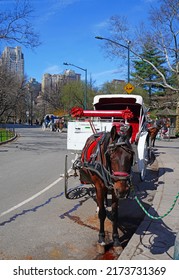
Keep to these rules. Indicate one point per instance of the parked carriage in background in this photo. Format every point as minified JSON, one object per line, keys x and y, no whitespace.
{"x":109,"y":110}
{"x":53,"y":123}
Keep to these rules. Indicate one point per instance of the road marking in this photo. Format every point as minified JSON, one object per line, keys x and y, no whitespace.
{"x":32,"y":197}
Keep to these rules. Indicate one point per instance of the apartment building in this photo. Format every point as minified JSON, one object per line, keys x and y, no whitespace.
{"x":13,"y":59}
{"x":53,"y":81}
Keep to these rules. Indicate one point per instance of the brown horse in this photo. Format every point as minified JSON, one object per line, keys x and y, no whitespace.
{"x":153,"y":131}
{"x":106,"y":162}
{"x":59,"y":125}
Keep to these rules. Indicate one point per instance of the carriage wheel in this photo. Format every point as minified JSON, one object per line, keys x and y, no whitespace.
{"x":43,"y":126}
{"x":51,"y":127}
{"x":145,"y":162}
{"x":66,"y":176}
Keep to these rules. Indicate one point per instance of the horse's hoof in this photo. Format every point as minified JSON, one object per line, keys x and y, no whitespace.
{"x":101,"y":248}
{"x":118,"y":250}
{"x":101,"y":239}
{"x":116,"y":242}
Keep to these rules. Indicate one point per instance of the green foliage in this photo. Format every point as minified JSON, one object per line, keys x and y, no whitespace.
{"x":144,"y":74}
{"x":6,"y":134}
{"x":140,"y":91}
{"x":73,"y":94}
{"x":112,"y":88}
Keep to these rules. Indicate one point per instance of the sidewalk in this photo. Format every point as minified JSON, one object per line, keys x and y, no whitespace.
{"x":154,"y":239}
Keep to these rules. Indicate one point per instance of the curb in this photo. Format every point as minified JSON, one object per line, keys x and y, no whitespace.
{"x":9,"y":140}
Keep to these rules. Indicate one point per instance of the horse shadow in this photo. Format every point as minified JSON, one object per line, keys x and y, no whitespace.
{"x":155,"y":235}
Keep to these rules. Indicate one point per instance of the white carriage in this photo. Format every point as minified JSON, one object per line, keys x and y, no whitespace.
{"x":109,"y":110}
{"x":50,"y":122}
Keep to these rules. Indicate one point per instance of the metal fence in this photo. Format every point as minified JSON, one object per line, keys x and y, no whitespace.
{"x":6,"y":134}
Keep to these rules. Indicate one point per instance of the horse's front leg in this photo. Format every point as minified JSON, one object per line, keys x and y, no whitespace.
{"x":116,"y":242}
{"x":100,"y":195}
{"x":153,"y":145}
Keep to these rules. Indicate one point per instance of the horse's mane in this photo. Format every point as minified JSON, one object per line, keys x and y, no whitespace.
{"x":106,"y":140}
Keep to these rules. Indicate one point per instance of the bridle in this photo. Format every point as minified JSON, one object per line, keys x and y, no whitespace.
{"x":118,"y":175}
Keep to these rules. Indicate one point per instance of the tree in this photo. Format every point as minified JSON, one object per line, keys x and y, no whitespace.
{"x":15,"y":25}
{"x":11,"y":91}
{"x":145,"y":73}
{"x":112,"y":88}
{"x":73,"y":95}
{"x":163,"y":32}
{"x":53,"y":97}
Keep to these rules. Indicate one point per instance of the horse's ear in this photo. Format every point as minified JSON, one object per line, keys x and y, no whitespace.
{"x":113,"y":132}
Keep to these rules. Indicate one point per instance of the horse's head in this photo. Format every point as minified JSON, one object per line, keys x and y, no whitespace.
{"x":120,"y":160}
{"x":160,"y":123}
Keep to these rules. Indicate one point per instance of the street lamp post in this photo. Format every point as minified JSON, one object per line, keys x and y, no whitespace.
{"x":121,"y":45}
{"x":85,"y":92}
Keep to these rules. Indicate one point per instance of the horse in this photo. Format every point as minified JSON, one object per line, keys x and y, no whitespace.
{"x":153,"y":131}
{"x":59,"y":125}
{"x":106,"y":162}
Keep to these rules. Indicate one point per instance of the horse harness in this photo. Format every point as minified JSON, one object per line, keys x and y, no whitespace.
{"x":94,"y":162}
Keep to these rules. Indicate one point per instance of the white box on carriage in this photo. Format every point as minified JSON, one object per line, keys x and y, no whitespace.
{"x":79,"y":131}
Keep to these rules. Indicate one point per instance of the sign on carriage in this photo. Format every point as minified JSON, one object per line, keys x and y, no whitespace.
{"x":129,"y":88}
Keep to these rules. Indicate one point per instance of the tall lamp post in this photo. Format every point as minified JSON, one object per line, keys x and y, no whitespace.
{"x":126,"y":47}
{"x":85,"y":70}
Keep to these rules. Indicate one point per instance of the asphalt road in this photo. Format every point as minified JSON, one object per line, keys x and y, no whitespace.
{"x":36,"y":219}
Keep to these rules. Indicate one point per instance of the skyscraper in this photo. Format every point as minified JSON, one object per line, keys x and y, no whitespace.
{"x":13,"y":60}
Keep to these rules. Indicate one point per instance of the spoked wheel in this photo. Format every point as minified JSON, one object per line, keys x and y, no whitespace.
{"x":77,"y":192}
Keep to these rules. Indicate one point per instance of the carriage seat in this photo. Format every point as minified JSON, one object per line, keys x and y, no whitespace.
{"x":135,"y":130}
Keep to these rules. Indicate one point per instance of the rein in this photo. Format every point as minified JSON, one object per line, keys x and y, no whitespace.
{"x":151,"y":216}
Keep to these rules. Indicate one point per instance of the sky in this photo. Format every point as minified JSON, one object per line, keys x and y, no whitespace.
{"x":67,"y":30}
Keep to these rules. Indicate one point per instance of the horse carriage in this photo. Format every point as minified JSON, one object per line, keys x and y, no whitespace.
{"x":53,"y":123}
{"x":107,"y":141}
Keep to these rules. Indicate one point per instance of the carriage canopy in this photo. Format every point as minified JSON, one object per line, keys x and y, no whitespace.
{"x":120,"y":102}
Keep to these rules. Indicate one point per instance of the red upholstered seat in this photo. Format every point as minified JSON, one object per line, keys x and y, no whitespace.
{"x":135,"y":130}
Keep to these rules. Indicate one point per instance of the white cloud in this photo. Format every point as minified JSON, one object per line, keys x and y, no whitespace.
{"x":100,"y":27}
{"x":106,"y":72}
{"x":109,"y":75}
{"x":54,"y":6}
{"x":53,"y":69}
